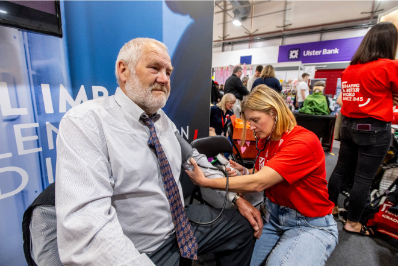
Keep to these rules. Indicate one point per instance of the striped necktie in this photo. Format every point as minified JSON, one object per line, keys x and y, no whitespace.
{"x":184,"y":231}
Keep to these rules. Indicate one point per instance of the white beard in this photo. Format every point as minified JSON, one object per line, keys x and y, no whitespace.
{"x":143,"y":97}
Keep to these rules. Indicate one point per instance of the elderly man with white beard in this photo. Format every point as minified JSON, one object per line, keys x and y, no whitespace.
{"x":118,"y":194}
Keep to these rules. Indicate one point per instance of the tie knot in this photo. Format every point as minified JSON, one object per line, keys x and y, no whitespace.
{"x":145,"y":120}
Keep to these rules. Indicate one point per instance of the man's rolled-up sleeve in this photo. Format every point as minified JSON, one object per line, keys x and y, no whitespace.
{"x":209,"y":171}
{"x":88,"y":229}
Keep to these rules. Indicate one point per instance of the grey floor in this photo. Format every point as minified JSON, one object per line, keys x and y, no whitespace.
{"x":352,"y":250}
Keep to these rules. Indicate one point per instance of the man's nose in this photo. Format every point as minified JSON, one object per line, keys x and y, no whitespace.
{"x":163,"y":78}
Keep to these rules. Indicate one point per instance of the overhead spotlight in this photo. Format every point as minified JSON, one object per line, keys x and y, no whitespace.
{"x":2,"y":11}
{"x":236,"y":22}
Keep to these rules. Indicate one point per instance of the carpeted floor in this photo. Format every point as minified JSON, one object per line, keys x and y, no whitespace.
{"x":352,"y":250}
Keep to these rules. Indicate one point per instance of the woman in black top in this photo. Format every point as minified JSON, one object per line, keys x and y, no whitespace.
{"x":221,"y":113}
{"x":268,"y":78}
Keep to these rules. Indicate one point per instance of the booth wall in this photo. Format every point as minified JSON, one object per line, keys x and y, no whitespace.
{"x":293,"y":40}
{"x":331,"y":76}
{"x":42,"y":77}
{"x":263,"y":55}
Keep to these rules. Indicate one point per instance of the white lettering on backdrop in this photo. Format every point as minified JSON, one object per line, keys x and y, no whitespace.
{"x":64,"y":97}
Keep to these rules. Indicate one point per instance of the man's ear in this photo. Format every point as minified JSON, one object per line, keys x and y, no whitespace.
{"x":123,"y":71}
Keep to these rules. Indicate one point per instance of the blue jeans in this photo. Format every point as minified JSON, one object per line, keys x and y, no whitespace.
{"x":290,"y":238}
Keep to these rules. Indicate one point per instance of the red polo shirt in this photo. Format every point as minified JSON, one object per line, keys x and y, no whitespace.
{"x":367,"y":89}
{"x":299,"y":158}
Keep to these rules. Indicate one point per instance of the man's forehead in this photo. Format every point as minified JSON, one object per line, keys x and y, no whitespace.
{"x":152,"y":52}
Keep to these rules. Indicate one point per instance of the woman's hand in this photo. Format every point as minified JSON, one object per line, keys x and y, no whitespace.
{"x":231,"y":172}
{"x":236,"y":166}
{"x":197,"y":176}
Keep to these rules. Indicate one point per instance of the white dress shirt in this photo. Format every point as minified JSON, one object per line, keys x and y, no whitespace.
{"x":250,"y":82}
{"x":302,"y":86}
{"x":110,"y":201}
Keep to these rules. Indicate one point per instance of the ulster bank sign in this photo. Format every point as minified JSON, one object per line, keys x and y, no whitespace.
{"x":318,"y":52}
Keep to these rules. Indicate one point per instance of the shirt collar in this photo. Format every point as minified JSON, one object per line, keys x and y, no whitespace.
{"x":131,"y":107}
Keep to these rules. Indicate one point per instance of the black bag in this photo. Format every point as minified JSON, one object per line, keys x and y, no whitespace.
{"x":372,"y":206}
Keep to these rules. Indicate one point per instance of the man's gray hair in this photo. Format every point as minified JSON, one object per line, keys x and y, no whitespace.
{"x":132,"y":51}
{"x":236,"y":69}
{"x":245,"y":78}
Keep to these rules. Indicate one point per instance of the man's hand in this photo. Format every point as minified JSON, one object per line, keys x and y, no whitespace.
{"x":252,"y":215}
{"x":197,"y":176}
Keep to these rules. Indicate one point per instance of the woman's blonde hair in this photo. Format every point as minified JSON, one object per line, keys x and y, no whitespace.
{"x":229,"y":97}
{"x":268,"y":72}
{"x":267,"y":100}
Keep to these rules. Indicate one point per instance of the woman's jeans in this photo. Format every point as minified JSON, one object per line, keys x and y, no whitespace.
{"x":361,"y":152}
{"x":290,"y":238}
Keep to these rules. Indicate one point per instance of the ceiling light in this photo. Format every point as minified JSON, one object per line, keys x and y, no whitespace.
{"x":258,"y":38}
{"x":2,"y":11}
{"x":236,"y":22}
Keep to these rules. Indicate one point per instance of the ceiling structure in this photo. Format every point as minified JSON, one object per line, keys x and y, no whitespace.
{"x":267,"y":20}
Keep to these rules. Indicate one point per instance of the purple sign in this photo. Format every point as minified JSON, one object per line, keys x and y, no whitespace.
{"x":318,"y":52}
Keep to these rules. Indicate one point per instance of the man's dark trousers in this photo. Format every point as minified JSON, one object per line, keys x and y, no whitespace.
{"x":230,"y":238}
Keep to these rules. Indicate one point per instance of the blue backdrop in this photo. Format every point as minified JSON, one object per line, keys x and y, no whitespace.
{"x":41,"y":77}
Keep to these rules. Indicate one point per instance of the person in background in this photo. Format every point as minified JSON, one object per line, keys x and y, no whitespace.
{"x":245,"y":79}
{"x":299,"y":228}
{"x":215,"y":95}
{"x":268,"y":78}
{"x":221,"y":90}
{"x":310,"y":90}
{"x":253,"y":78}
{"x":235,"y":86}
{"x":316,"y":103}
{"x":221,"y":113}
{"x":368,"y":87}
{"x":339,"y":100}
{"x":303,"y":89}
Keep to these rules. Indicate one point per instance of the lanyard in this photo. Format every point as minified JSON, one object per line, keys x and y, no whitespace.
{"x":222,"y":119}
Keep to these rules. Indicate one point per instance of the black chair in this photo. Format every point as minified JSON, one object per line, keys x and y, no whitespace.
{"x":47,"y":242}
{"x":248,"y":163}
{"x":212,"y":146}
{"x":321,"y":125}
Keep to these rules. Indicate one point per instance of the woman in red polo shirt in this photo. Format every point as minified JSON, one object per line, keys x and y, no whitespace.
{"x":299,"y":228}
{"x":368,"y":85}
